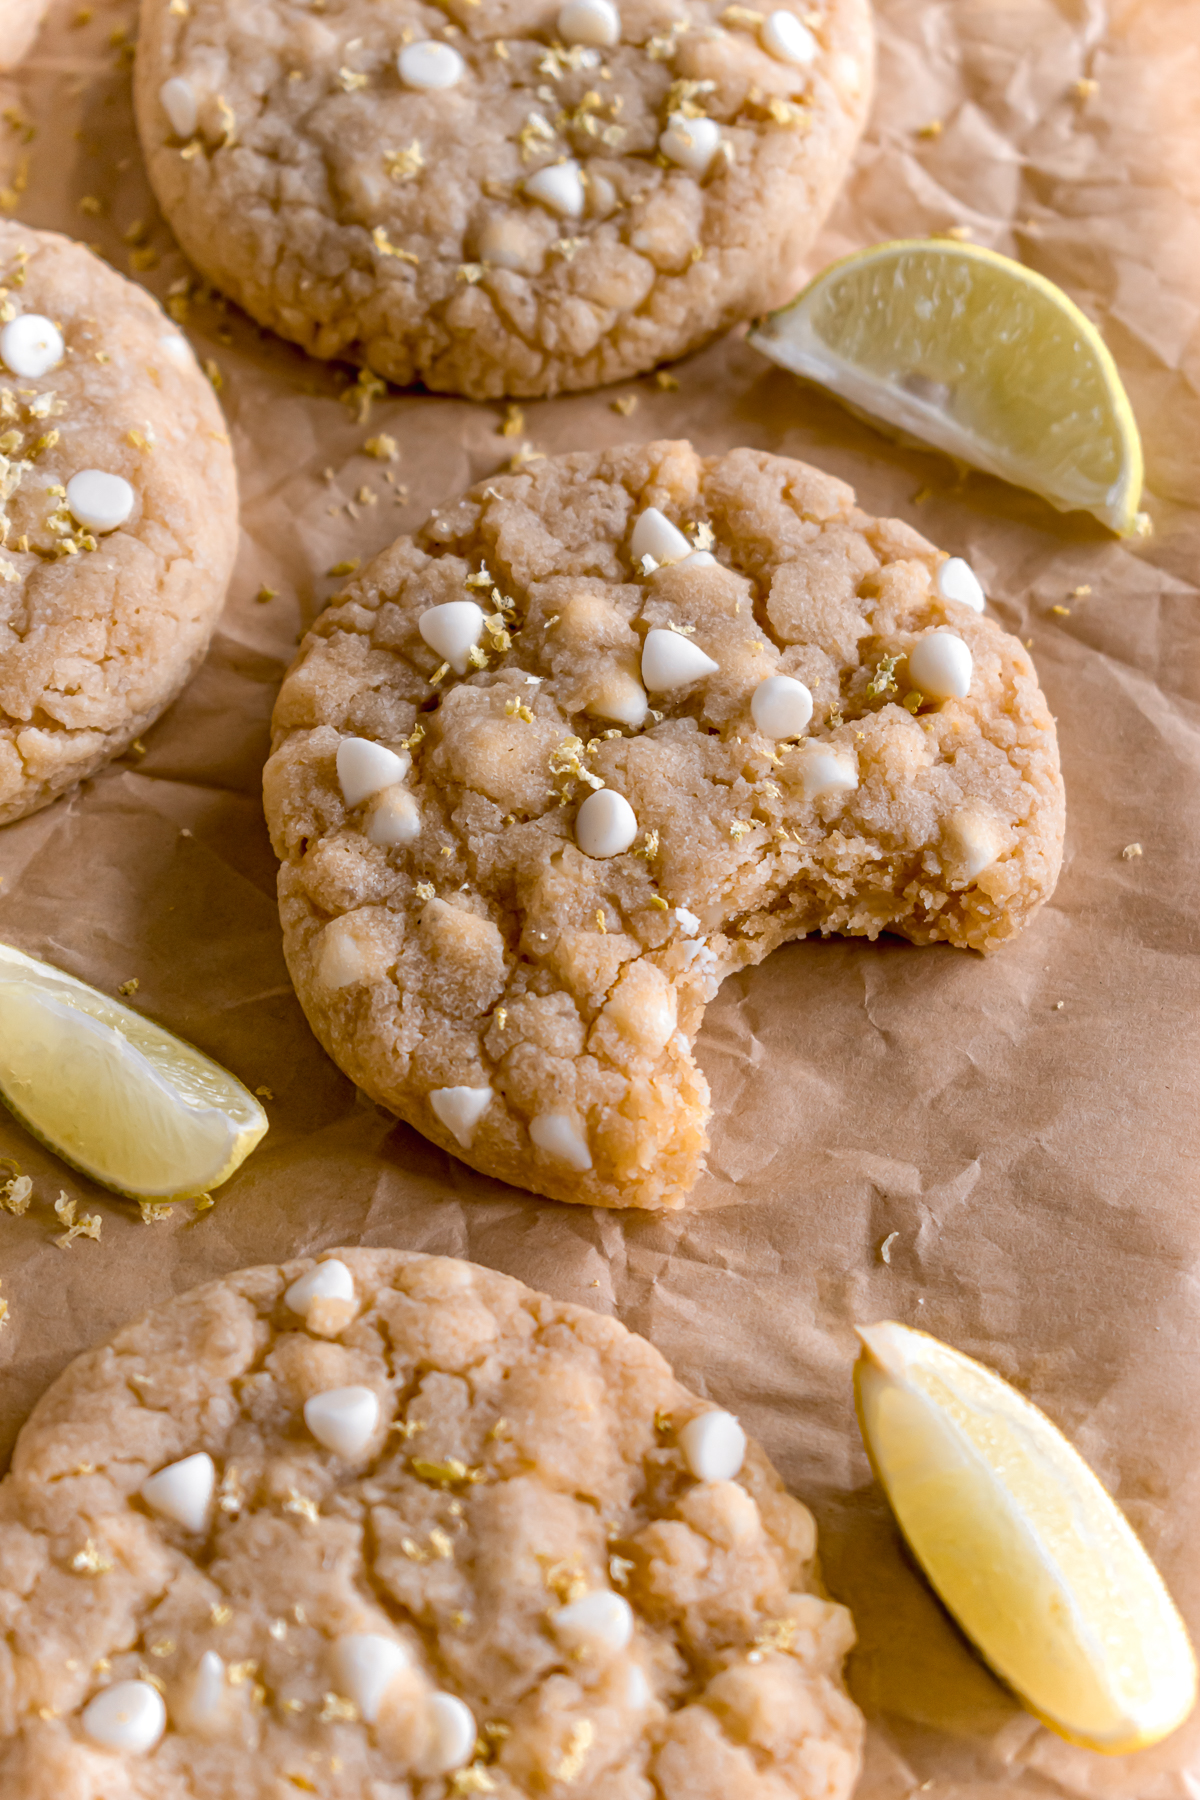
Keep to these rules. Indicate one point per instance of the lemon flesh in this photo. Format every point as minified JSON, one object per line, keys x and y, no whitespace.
{"x":1024,"y":1546}
{"x":126,"y":1102}
{"x":978,"y":356}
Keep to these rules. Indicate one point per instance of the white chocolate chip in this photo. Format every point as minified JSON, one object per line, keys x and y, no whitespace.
{"x":430,"y":64}
{"x":31,"y":346}
{"x":957,"y":580}
{"x":365,"y":1664}
{"x":620,"y":696}
{"x":788,"y":39}
{"x":99,"y":501}
{"x":460,"y":1110}
{"x":176,"y":346}
{"x":605,"y":824}
{"x":178,"y":100}
{"x":689,"y":924}
{"x":128,"y":1716}
{"x":559,"y":1135}
{"x":183,"y":1491}
{"x":654,"y":535}
{"x":330,"y":1280}
{"x":692,"y":143}
{"x":394,"y":818}
{"x":638,"y":1692}
{"x":846,"y":74}
{"x":698,"y":559}
{"x":824,"y":772}
{"x":714,"y":1446}
{"x":940,"y":665}
{"x":595,"y":22}
{"x":601,"y":1622}
{"x":453,"y":1733}
{"x":209,"y":1692}
{"x":973,"y":841}
{"x":343,"y":1419}
{"x":364,"y":767}
{"x":781,"y":706}
{"x":348,"y":954}
{"x":452,"y":631}
{"x":559,"y":187}
{"x":513,"y":241}
{"x":670,"y":660}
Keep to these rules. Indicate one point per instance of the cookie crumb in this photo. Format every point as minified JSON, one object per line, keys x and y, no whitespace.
{"x":154,"y":1211}
{"x":129,"y":987}
{"x":266,"y":594}
{"x":88,"y":1226}
{"x":382,"y":447}
{"x":664,"y":379}
{"x":625,"y":404}
{"x":1131,"y":851}
{"x":885,"y":1249}
{"x":16,"y":1193}
{"x":514,"y":421}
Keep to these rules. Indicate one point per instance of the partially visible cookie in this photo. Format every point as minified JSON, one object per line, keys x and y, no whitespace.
{"x":118,"y":515}
{"x":501,"y":196}
{"x":606,"y":731}
{"x":20,"y":22}
{"x":393,"y":1527}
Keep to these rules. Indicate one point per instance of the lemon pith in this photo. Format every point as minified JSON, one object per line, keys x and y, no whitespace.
{"x":978,"y":356}
{"x":123,"y":1100}
{"x":1023,"y":1544}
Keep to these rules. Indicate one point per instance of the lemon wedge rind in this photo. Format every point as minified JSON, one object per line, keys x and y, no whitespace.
{"x":1023,"y":1544}
{"x":126,"y":1102}
{"x":917,"y":388}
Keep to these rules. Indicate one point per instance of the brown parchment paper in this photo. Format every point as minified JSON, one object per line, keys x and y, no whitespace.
{"x":1026,"y":1127}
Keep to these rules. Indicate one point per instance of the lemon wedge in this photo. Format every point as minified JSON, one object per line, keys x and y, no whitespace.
{"x":978,"y":356}
{"x":131,"y":1105}
{"x":1024,"y":1546}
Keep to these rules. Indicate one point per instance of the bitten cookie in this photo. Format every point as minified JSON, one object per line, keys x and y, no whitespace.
{"x":515,"y":199}
{"x":391,"y":1526}
{"x":20,"y":22}
{"x":606,"y":731}
{"x":118,"y":515}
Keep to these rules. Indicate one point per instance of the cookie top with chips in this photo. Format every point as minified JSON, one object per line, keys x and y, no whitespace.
{"x":393,"y":1527}
{"x":605,"y":731}
{"x":500,"y":196}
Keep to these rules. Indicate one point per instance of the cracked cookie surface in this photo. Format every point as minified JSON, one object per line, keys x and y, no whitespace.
{"x":500,"y":196}
{"x":508,"y":893}
{"x":118,"y":515}
{"x":534,"y":1565}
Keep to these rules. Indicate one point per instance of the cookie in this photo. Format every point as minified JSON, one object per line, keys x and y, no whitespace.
{"x":20,"y":22}
{"x":118,"y":515}
{"x":393,"y":1527}
{"x":606,"y":731}
{"x":494,"y":196}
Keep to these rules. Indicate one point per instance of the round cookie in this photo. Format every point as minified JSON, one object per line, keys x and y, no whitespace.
{"x":394,"y":1527}
{"x":500,"y":196}
{"x":544,"y":775}
{"x":20,"y":22}
{"x":118,"y":515}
